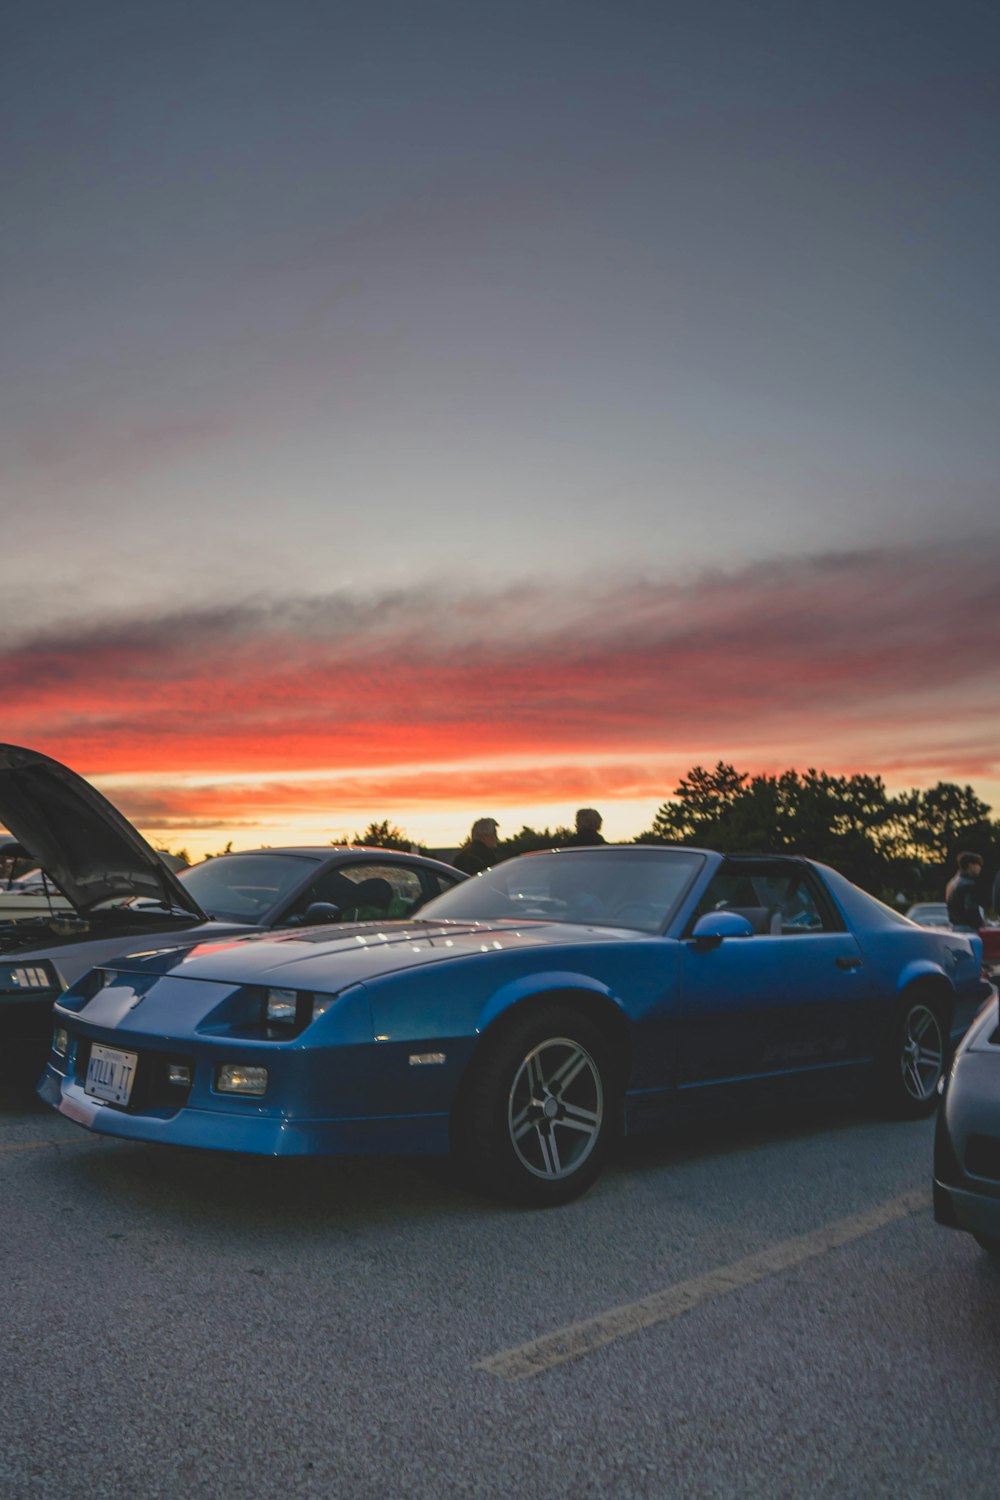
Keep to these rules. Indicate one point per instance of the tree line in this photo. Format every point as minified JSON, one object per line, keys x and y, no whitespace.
{"x":901,"y":845}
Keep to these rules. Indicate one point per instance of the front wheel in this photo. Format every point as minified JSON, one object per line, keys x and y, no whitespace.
{"x":913,"y":1060}
{"x":537,"y":1124}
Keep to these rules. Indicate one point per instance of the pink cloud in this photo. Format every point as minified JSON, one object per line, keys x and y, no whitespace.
{"x":871,"y":660}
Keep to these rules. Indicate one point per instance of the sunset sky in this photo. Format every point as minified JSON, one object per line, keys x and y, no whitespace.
{"x":428,"y":410}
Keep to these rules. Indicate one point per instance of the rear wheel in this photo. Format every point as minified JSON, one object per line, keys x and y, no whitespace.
{"x":913,"y":1060}
{"x":537,"y":1123}
{"x":988,"y":1242}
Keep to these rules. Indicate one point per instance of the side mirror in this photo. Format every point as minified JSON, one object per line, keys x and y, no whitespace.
{"x":318,"y":912}
{"x":710,"y":929}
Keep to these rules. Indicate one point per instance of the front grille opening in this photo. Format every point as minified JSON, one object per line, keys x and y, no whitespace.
{"x":152,"y":1089}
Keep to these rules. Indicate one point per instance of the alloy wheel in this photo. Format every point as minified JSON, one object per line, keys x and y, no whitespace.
{"x":922,"y":1054}
{"x":556,"y":1109}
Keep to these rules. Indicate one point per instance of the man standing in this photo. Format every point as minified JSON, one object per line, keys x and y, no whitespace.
{"x":962,"y":893}
{"x":480,"y":848}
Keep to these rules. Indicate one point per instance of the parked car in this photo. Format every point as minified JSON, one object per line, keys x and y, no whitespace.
{"x":929,"y":914}
{"x":935,"y":914}
{"x":114,"y":893}
{"x":989,"y":936}
{"x":524,"y":1017}
{"x":24,"y":889}
{"x":967,"y":1139}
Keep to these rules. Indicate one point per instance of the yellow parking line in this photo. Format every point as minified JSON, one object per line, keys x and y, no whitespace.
{"x":565,"y":1344}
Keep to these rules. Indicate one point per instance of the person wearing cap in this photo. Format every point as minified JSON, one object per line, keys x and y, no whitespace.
{"x":480,"y":848}
{"x":962,"y":893}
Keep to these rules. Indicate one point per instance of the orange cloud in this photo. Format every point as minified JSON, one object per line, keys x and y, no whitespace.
{"x":869,"y":661}
{"x":242,"y":804}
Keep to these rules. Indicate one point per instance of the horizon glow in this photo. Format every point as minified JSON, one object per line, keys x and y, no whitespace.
{"x":430,"y":412}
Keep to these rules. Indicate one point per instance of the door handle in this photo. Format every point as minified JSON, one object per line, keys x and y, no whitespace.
{"x":845,"y":962}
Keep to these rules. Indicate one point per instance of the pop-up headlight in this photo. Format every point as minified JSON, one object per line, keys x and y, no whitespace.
{"x":282,"y":1006}
{"x":293,"y":1010}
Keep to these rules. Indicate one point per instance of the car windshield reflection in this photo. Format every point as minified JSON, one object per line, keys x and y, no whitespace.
{"x":242,"y":887}
{"x":599,"y":887}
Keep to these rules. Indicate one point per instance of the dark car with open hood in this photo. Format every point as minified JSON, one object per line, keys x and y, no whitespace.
{"x":106,"y":892}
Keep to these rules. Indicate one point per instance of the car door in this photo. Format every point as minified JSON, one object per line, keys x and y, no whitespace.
{"x":789,"y":1001}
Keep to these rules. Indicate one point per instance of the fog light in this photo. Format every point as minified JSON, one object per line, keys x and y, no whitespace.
{"x":179,"y":1073}
{"x":281,"y":1005}
{"x":60,"y":1041}
{"x":234,"y":1078}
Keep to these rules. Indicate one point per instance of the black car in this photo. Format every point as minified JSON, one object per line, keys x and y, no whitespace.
{"x":967,"y":1142}
{"x":113,"y":894}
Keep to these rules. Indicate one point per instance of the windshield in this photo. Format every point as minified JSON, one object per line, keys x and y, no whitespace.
{"x":245,"y":887}
{"x":637,"y":888}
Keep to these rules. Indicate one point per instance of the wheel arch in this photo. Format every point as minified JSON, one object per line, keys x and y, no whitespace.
{"x":926,"y":982}
{"x":503,"y":1014}
{"x":599,"y":1004}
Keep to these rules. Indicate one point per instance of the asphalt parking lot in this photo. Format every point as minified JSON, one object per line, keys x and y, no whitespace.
{"x":758,"y":1311}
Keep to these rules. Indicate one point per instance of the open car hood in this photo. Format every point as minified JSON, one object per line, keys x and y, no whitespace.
{"x":90,"y":851}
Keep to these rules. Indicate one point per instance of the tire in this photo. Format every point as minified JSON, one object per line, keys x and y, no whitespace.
{"x":539,"y":1109}
{"x":988,"y":1242}
{"x":913,"y":1060}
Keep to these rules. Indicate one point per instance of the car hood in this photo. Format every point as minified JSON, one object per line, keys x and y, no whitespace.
{"x":331,"y":958}
{"x":91,"y":852}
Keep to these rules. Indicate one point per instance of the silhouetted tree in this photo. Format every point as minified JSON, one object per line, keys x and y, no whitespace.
{"x":702,"y":799}
{"x":849,"y":822}
{"x":227,"y":850}
{"x":386,"y":835}
{"x":531,"y":839}
{"x":946,"y":819}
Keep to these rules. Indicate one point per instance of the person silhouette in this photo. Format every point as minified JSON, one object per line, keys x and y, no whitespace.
{"x":480,"y":849}
{"x":588,"y":828}
{"x":962,"y":892}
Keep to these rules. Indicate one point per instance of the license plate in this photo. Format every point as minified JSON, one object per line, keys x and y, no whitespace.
{"x":110,"y":1074}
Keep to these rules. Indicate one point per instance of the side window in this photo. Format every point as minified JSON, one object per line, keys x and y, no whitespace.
{"x":330,"y":887}
{"x":795,"y":909}
{"x":776,"y":902}
{"x":370,"y":892}
{"x":383,"y":891}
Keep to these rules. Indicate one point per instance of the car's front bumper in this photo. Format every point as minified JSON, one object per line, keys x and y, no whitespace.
{"x":220,"y":1129}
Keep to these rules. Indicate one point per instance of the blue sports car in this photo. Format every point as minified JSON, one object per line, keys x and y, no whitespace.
{"x":524,"y":1018}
